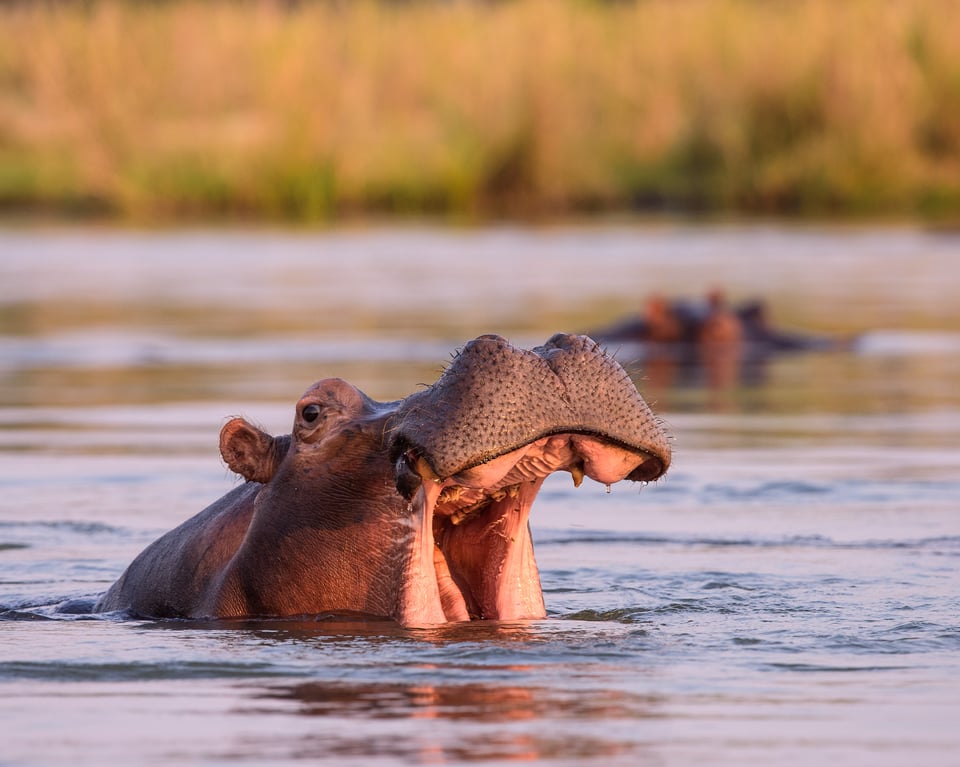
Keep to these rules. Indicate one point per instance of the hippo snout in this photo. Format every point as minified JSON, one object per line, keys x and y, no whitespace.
{"x":494,"y":398}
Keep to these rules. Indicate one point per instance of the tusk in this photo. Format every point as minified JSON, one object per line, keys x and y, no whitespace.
{"x":576,"y":471}
{"x":423,"y":469}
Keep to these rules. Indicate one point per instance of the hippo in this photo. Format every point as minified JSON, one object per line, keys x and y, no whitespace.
{"x":415,"y":510}
{"x":685,"y":323}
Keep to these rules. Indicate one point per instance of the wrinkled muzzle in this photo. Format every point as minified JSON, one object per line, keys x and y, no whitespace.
{"x":494,"y":398}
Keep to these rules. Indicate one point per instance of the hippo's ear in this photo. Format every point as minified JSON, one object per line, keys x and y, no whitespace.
{"x":250,"y":452}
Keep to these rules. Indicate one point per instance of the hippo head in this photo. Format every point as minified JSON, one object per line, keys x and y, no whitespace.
{"x":415,"y":510}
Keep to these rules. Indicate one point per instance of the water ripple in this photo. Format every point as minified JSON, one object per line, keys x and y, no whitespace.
{"x":136,"y":671}
{"x":839,"y":668}
{"x":575,"y":537}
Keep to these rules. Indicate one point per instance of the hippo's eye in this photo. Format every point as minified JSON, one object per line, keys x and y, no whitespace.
{"x":310,"y":413}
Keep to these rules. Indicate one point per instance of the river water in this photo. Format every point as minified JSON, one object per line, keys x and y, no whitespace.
{"x":788,"y":594}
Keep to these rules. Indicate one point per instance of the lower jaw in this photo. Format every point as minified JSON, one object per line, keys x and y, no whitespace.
{"x":487,"y":563}
{"x":503,"y":583}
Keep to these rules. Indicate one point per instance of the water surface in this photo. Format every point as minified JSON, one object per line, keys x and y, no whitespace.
{"x":788,"y":594}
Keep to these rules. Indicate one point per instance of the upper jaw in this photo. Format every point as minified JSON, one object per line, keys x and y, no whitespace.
{"x":581,"y":454}
{"x":597,"y":458}
{"x":494,"y":399}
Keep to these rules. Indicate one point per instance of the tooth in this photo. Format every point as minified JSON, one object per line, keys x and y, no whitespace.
{"x":450,"y":494}
{"x":423,"y":469}
{"x":576,"y":471}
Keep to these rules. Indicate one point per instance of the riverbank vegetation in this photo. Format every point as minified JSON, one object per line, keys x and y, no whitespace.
{"x":311,"y":111}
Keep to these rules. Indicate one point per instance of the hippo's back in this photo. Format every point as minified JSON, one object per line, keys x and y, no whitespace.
{"x":174,"y":575}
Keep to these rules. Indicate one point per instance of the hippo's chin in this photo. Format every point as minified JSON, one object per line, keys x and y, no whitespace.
{"x":471,"y":553}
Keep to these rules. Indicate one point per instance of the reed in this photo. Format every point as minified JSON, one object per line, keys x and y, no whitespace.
{"x":310,"y":111}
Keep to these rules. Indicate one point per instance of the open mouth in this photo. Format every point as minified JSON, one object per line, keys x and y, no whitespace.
{"x":472,"y":554}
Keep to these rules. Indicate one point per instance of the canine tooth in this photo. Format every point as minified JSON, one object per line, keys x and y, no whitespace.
{"x":576,"y":472}
{"x":423,"y":469}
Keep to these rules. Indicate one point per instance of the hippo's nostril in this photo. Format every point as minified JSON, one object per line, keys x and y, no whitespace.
{"x":647,"y":471}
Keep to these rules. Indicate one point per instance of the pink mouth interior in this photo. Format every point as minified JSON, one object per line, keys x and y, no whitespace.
{"x":472,"y":554}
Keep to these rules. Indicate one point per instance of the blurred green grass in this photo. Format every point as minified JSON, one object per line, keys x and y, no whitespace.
{"x":308,"y":112}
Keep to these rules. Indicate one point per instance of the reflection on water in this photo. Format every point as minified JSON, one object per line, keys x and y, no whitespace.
{"x":473,"y":702}
{"x":502,"y":722}
{"x":787,"y":595}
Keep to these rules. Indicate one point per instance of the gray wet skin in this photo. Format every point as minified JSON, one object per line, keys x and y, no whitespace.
{"x":414,"y":510}
{"x":494,"y":398}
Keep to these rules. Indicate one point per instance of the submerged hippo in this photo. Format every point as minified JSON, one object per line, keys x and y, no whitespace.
{"x":414,"y":510}
{"x":690,"y":323}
